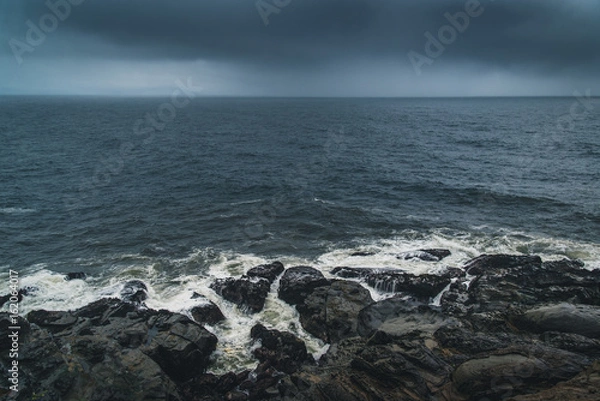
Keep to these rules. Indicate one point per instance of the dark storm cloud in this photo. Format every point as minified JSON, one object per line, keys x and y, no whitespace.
{"x":546,"y":34}
{"x":321,"y":47}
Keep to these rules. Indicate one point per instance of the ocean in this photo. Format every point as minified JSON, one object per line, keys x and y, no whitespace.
{"x":123,"y":188}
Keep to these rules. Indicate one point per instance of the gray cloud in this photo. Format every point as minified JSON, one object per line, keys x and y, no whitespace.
{"x":542,"y":41}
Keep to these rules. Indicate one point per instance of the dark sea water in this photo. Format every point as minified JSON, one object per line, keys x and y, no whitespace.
{"x":229,"y":183}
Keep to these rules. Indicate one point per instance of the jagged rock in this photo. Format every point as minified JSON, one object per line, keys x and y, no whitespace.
{"x":211,"y":387}
{"x":134,"y":292}
{"x":298,"y":282}
{"x":207,"y":313}
{"x":427,"y":255}
{"x":246,"y":292}
{"x":399,"y":317}
{"x":512,"y":372}
{"x":565,"y":318}
{"x":109,"y":350}
{"x":522,"y":285}
{"x":390,"y":280}
{"x":330,"y":313}
{"x":484,"y":263}
{"x":75,"y":276}
{"x":355,"y":370}
{"x":53,"y":321}
{"x":583,"y":387}
{"x":270,"y":271}
{"x":282,"y":350}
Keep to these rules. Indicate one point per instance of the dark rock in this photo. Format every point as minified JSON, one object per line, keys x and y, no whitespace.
{"x":361,"y":272}
{"x":282,"y":350}
{"x":134,"y":292}
{"x":424,"y":285}
{"x":248,"y":293}
{"x":109,"y":350}
{"x":207,"y":313}
{"x":565,"y":318}
{"x":512,"y":373}
{"x":484,"y":263}
{"x":503,"y":287}
{"x":22,"y":292}
{"x":427,"y":255}
{"x":572,"y":342}
{"x":53,"y":321}
{"x":330,"y":313}
{"x":390,"y":280}
{"x":298,"y":282}
{"x":75,"y":276}
{"x":269,"y":272}
{"x":362,"y":253}
{"x":399,"y":317}
{"x":583,"y":387}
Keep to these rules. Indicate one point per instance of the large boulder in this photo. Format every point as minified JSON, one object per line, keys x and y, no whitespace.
{"x":249,"y":293}
{"x":207,"y":313}
{"x":269,"y":271}
{"x":426,"y":255}
{"x":298,"y":282}
{"x":485,"y":263}
{"x":281,"y":350}
{"x":398,"y":317}
{"x":330,"y":313}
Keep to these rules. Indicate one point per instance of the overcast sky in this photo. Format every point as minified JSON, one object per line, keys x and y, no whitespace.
{"x":301,"y":47}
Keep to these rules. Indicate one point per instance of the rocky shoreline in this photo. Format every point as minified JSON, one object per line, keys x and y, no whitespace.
{"x":500,"y":327}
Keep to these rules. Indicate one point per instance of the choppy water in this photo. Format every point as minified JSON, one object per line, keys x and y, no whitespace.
{"x":231,"y":183}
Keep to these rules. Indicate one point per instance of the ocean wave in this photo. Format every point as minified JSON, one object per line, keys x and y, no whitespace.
{"x":16,"y":210}
{"x":172,"y":281}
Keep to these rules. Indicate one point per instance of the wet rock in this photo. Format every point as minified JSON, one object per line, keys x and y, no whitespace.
{"x":298,"y":282}
{"x":270,"y":271}
{"x":247,"y":292}
{"x":565,"y":318}
{"x":424,"y":285}
{"x":362,"y":253}
{"x":75,"y":276}
{"x":398,"y":317}
{"x":53,"y":321}
{"x":522,"y":285}
{"x":101,"y":352}
{"x":207,"y":313}
{"x":427,"y":255}
{"x":19,"y":297}
{"x":134,"y":292}
{"x":515,"y":373}
{"x":390,"y":280}
{"x":281,"y":350}
{"x":583,"y":387}
{"x":330,"y":313}
{"x":572,"y":342}
{"x":485,"y":263}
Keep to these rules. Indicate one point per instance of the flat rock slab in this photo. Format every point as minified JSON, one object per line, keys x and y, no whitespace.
{"x":566,"y":318}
